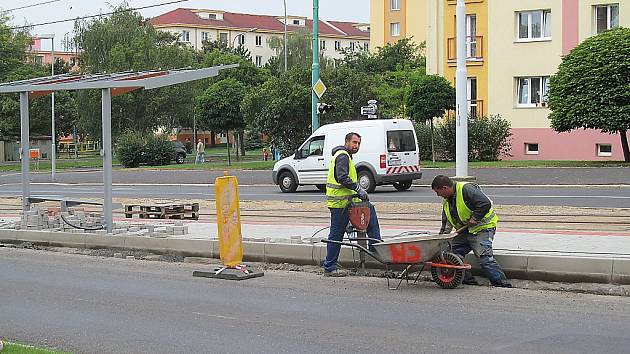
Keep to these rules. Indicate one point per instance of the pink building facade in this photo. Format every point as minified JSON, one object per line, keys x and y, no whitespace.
{"x":522,"y":60}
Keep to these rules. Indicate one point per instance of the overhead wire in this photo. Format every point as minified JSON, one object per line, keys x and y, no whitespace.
{"x":31,"y":5}
{"x":99,"y":15}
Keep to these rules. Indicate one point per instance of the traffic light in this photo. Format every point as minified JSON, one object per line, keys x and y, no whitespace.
{"x":324,"y":107}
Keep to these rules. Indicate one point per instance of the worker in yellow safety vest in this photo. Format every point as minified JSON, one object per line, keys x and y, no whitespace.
{"x":467,"y":208}
{"x":342,"y":187}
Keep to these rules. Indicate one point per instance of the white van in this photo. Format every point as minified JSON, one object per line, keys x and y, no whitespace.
{"x":388,"y":155}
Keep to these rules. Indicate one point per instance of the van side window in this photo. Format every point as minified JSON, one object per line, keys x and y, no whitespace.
{"x":401,"y":141}
{"x":313,"y":147}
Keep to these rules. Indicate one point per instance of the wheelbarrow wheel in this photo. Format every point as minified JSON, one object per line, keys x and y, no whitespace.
{"x":448,"y":278}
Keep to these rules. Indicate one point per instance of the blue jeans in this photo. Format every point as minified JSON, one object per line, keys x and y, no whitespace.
{"x":338,"y":222}
{"x":200,"y":158}
{"x":481,"y":245}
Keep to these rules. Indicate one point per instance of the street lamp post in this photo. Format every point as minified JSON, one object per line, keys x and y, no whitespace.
{"x":315,"y":69}
{"x":53,"y":153}
{"x":461,"y":132}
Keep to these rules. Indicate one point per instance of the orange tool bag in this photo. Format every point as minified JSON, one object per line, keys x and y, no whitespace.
{"x":359,"y":215}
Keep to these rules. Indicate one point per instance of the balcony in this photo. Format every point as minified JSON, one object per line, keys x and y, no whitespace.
{"x":474,"y":48}
{"x":475,"y":110}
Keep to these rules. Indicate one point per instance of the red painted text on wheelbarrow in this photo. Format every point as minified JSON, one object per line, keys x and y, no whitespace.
{"x":405,"y":253}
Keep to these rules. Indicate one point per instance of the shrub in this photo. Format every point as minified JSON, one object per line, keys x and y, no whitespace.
{"x":158,"y":151}
{"x":252,"y":140}
{"x":488,"y":138}
{"x":130,"y":149}
{"x":423,"y":133}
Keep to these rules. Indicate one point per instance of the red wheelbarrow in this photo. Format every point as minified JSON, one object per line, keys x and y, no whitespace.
{"x":417,"y":250}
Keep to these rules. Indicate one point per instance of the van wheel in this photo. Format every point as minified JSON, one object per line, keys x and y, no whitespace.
{"x":287,"y":182}
{"x":321,"y":187}
{"x":402,"y":185}
{"x":366,"y":180}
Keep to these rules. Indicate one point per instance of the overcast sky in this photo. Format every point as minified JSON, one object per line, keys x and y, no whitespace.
{"x":344,"y":10}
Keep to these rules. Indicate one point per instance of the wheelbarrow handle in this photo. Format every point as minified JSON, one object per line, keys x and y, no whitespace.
{"x":368,"y":252}
{"x":375,"y":240}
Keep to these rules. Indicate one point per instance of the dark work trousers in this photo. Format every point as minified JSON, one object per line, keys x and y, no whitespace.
{"x":481,"y":245}
{"x":339,"y":220}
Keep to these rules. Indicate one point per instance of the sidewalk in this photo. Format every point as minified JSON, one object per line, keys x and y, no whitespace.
{"x":535,"y":254}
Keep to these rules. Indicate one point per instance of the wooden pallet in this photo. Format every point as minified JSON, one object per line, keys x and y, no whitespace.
{"x":163,"y":211}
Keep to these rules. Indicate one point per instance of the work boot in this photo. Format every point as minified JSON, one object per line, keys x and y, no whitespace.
{"x":336,"y":273}
{"x":470,"y":281}
{"x":502,"y":284}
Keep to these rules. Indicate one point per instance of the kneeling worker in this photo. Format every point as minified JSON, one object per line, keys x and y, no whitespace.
{"x":341,"y":187}
{"x":466,"y":205}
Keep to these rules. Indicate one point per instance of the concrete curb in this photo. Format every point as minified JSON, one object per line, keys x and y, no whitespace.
{"x":516,"y":264}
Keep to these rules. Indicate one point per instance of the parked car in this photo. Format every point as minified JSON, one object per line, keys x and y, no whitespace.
{"x":388,"y":155}
{"x":179,"y":152}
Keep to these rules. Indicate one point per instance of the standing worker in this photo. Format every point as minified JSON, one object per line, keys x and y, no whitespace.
{"x":341,"y":187}
{"x":200,"y":152}
{"x":465,"y":205}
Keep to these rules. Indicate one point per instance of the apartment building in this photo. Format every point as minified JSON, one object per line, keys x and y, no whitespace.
{"x":254,"y":31}
{"x":512,"y":48}
{"x":44,"y":57}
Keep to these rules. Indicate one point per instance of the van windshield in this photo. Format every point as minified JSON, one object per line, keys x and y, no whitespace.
{"x":401,"y":140}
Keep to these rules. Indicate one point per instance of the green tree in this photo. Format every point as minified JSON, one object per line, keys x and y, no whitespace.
{"x":299,"y":53}
{"x":281,"y":109}
{"x":429,"y":96}
{"x":219,"y":108}
{"x":348,"y":90}
{"x":404,"y":54}
{"x":125,"y":41}
{"x":591,"y":89}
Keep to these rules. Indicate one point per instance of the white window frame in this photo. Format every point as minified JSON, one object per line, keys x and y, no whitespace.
{"x":609,"y":24}
{"x":241,"y":39}
{"x":544,"y":87}
{"x":205,"y":36}
{"x":546,"y":25}
{"x":337,"y":45}
{"x":366,"y":46}
{"x":394,"y":5}
{"x":227,"y":37}
{"x":258,"y":41}
{"x":184,"y":36}
{"x":601,"y":153}
{"x":258,"y":60}
{"x":353,"y":46}
{"x":471,"y":37}
{"x":532,"y":152}
{"x":322,"y":44}
{"x":394,"y":29}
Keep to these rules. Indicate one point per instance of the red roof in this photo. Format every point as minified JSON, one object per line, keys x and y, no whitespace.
{"x":262,"y":22}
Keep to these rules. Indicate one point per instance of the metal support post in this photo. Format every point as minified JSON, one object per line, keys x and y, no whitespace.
{"x":461,"y":134}
{"x":53,"y":153}
{"x":25,"y":149}
{"x":106,"y":103}
{"x":315,"y":69}
{"x":286,"y":40}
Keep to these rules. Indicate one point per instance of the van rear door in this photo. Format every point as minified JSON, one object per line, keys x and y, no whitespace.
{"x":402,"y":151}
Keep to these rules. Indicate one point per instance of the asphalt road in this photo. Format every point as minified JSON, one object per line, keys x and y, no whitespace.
{"x":87,"y":304}
{"x":601,"y":196}
{"x":511,"y":176}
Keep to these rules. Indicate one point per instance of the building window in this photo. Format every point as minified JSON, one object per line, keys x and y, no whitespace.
{"x":241,"y":39}
{"x":604,"y":150}
{"x":185,"y":36}
{"x":223,"y":37}
{"x":39,"y":59}
{"x":212,"y":16}
{"x":534,"y":25}
{"x":531,"y":149}
{"x":394,"y":29}
{"x":337,"y":45}
{"x":296,"y":22}
{"x":258,"y":60}
{"x":352,"y":46}
{"x":258,"y":41}
{"x":366,"y":46}
{"x":606,"y":17}
{"x":322,"y":45}
{"x":395,"y":4}
{"x":471,"y":37}
{"x":204,"y":36}
{"x":532,"y":91}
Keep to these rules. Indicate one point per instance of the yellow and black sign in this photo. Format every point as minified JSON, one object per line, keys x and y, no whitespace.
{"x":229,"y":221}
